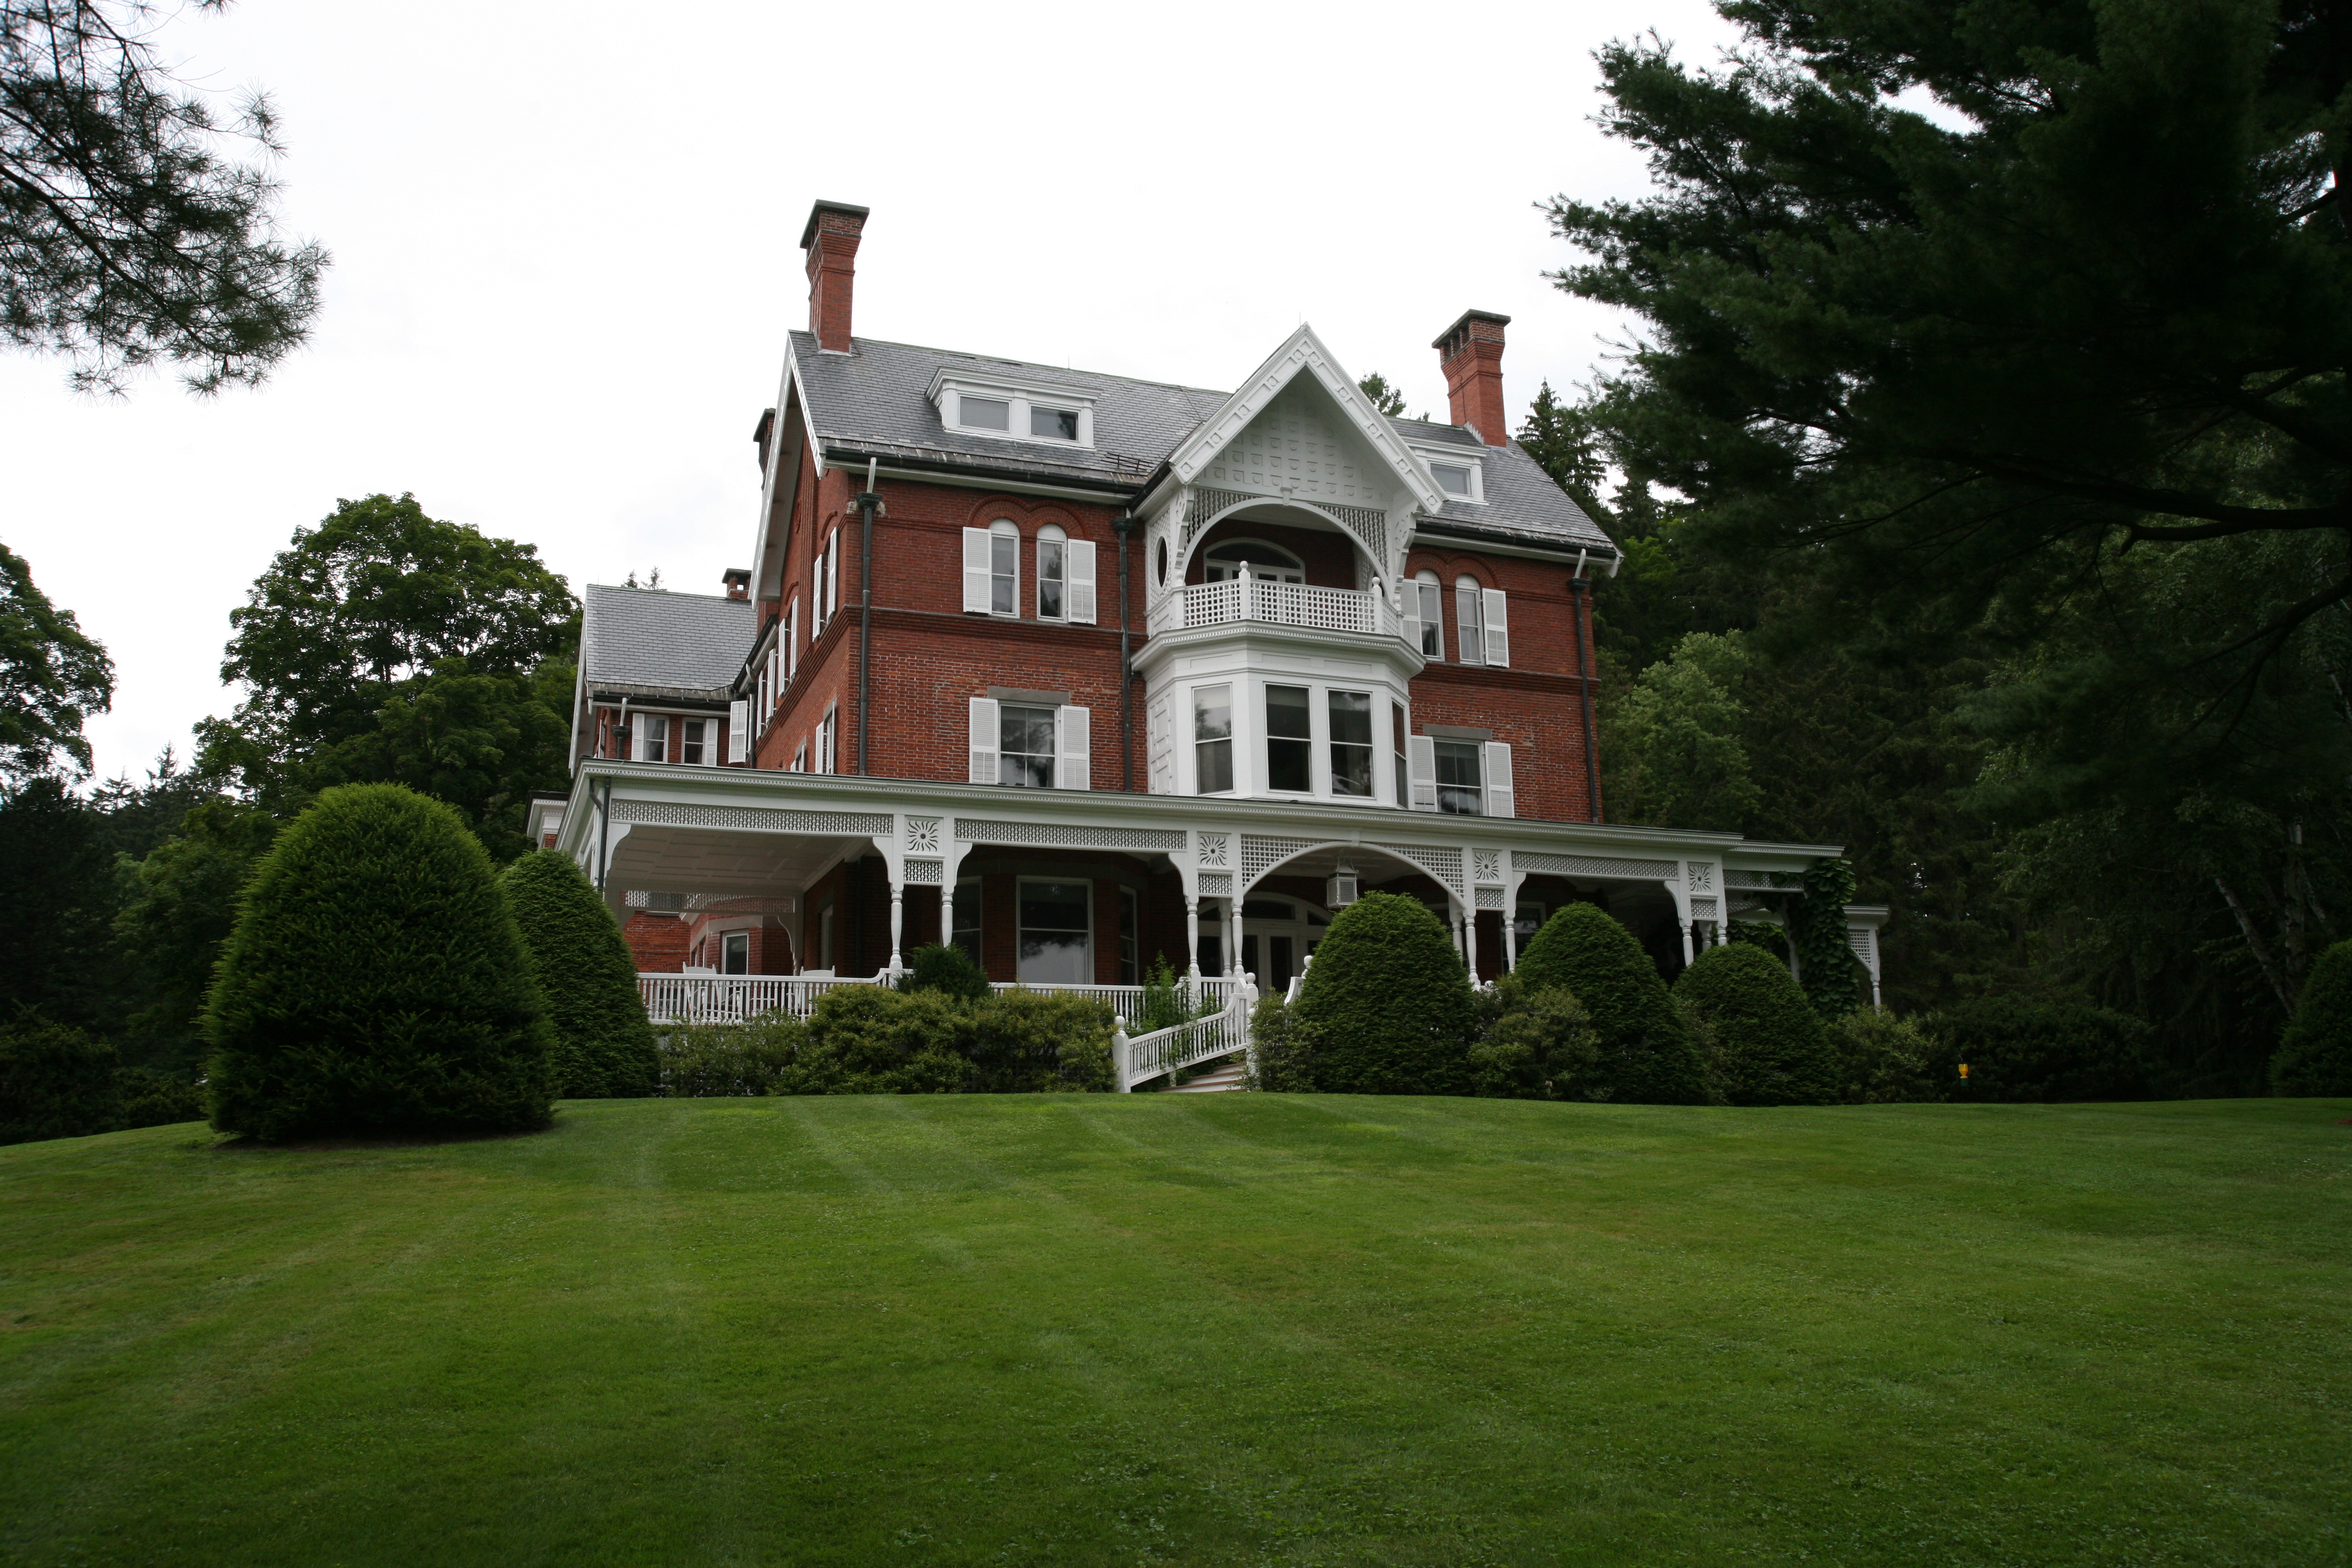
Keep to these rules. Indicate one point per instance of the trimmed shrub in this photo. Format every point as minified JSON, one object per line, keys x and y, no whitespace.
{"x":603,"y":1043}
{"x":1040,"y":1041}
{"x":2027,"y":1051}
{"x":948,"y":971}
{"x":376,"y":982}
{"x":1282,"y":1050}
{"x":1883,"y":1059}
{"x":1770,"y":1047}
{"x":151,"y":1098}
{"x":1534,"y":1044}
{"x":1389,"y":1002}
{"x":1647,"y":1056}
{"x":724,"y":1060}
{"x":2314,"y":1055}
{"x":55,"y":1080}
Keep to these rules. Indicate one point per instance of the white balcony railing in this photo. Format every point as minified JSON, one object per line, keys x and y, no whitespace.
{"x":1251,"y":598}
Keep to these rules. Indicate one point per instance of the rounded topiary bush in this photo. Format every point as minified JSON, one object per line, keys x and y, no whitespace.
{"x":1646,"y":1054}
{"x":604,"y":1042}
{"x":1770,"y":1048}
{"x":1388,"y":1003}
{"x":945,"y":969}
{"x":2314,"y":1055}
{"x":376,"y":982}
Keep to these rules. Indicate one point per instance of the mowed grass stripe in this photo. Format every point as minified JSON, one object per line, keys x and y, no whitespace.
{"x":1190,"y":1329}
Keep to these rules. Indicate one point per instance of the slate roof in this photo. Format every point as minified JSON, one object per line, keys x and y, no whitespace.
{"x":875,"y":401}
{"x":649,"y":642}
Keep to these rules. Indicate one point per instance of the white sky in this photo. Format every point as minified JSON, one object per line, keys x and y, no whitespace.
{"x":566,"y":256}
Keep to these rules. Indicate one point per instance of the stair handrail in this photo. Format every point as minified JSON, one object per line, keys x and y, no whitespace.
{"x":1135,"y":1059}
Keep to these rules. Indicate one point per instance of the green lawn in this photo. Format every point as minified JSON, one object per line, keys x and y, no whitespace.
{"x":1192,"y":1328}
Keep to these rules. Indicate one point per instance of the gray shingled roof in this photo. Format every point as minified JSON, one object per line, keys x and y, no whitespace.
{"x":650,"y":642}
{"x":877,"y":400}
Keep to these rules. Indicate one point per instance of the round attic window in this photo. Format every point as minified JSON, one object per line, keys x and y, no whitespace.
{"x":1162,"y":563}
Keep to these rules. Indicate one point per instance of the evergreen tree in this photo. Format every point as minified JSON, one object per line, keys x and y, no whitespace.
{"x":604,"y":1042}
{"x":55,"y":1080}
{"x":2314,"y":1055}
{"x":1770,"y":1048}
{"x":1388,"y":1003}
{"x":1647,"y":1056}
{"x":376,"y":982}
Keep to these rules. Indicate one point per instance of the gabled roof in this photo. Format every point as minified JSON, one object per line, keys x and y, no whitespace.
{"x":875,"y":401}
{"x":651,"y":643}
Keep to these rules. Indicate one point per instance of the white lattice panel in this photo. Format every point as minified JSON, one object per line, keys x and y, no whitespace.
{"x":760,"y":818}
{"x":1297,"y":443}
{"x":1596,"y":866}
{"x":1490,"y":898}
{"x":1257,"y":854}
{"x":1445,"y":865}
{"x":1216,"y":884}
{"x":978,"y":830}
{"x":1702,"y":909}
{"x":1747,"y":879}
{"x":1865,"y":943}
{"x":923,"y":873}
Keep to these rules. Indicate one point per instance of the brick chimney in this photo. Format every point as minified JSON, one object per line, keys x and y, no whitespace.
{"x":831,"y":241}
{"x":1470,"y":352}
{"x":738,"y":581}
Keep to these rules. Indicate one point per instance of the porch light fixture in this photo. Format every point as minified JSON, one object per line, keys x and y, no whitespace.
{"x":1341,"y":889}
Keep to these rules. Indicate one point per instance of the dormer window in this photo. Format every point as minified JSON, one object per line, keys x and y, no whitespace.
{"x":985,"y":404}
{"x":1459,"y":476}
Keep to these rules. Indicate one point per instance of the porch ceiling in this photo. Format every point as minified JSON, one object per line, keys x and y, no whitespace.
{"x":713,"y":860}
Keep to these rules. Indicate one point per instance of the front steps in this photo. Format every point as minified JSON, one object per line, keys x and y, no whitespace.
{"x":1220,"y":1079}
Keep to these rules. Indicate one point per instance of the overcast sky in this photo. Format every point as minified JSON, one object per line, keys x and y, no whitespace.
{"x":565,"y":257}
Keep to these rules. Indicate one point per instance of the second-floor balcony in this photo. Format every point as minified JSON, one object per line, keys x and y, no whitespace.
{"x":1252,"y":598}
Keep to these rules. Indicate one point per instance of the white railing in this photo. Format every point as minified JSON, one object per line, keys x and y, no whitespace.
{"x":731,"y":998}
{"x":1247,"y":598}
{"x":1163,"y":1052}
{"x":734,"y":998}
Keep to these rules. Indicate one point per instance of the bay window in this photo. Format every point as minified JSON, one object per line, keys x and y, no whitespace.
{"x":1213,"y":739}
{"x":1289,"y":740}
{"x":1350,"y":715}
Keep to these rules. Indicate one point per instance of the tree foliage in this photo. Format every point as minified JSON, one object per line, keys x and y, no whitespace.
{"x":55,"y":1080}
{"x":1388,"y":1001}
{"x":179,"y":906}
{"x":604,"y":1042}
{"x":131,"y":231}
{"x":52,"y":677}
{"x":1647,"y":1056}
{"x":2314,"y":1055}
{"x":1769,"y":1046}
{"x":376,"y":982}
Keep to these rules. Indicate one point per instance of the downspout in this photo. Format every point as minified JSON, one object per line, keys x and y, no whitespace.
{"x":1123,"y":526}
{"x":868,"y":504}
{"x":1577,"y":588}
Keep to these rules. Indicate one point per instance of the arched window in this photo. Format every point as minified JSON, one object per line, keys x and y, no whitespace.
{"x":1469,"y":622}
{"x":1053,"y":573}
{"x":1224,"y":562}
{"x":1003,"y":568}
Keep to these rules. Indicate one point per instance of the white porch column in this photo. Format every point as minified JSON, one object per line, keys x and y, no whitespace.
{"x":1234,"y":923}
{"x":898,"y":919}
{"x":1470,"y":942}
{"x":1191,"y":936}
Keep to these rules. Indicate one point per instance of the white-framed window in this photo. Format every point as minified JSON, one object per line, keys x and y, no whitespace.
{"x":1461,"y":786}
{"x":1469,"y":620}
{"x":1464,"y":777}
{"x":791,"y":638}
{"x":1459,"y":475}
{"x":1053,"y":573}
{"x":832,"y":574}
{"x":1349,"y":715}
{"x":735,"y":953}
{"x":1213,"y":739}
{"x":1424,"y":615}
{"x":1056,"y":933}
{"x":827,"y":742}
{"x":1040,"y":412}
{"x":967,"y":917}
{"x":800,"y":759}
{"x":1031,"y":745}
{"x":651,"y":740}
{"x":1224,"y":560}
{"x":690,"y":747}
{"x":1289,"y":740}
{"x":992,"y":569}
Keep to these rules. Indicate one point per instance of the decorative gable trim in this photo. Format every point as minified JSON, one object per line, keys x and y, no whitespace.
{"x":1303,"y":354}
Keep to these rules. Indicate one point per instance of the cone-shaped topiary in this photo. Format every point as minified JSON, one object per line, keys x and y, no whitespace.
{"x":376,"y":982}
{"x":604,"y":1042}
{"x":1771,"y":1045}
{"x":1387,"y":1003}
{"x":1646,"y":1054}
{"x":2314,"y":1055}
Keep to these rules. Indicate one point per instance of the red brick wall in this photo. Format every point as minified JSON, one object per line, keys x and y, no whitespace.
{"x":656,"y":942}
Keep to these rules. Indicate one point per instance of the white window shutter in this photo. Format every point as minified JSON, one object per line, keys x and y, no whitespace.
{"x":739,"y":731}
{"x":975,"y":578}
{"x":1420,"y":763}
{"x":1072,"y":728}
{"x":1465,"y":626}
{"x":1501,"y":799}
{"x":1412,"y":597}
{"x":792,"y":636}
{"x":833,"y":574}
{"x":1078,"y":566}
{"x":1498,"y":629}
{"x":985,"y":736}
